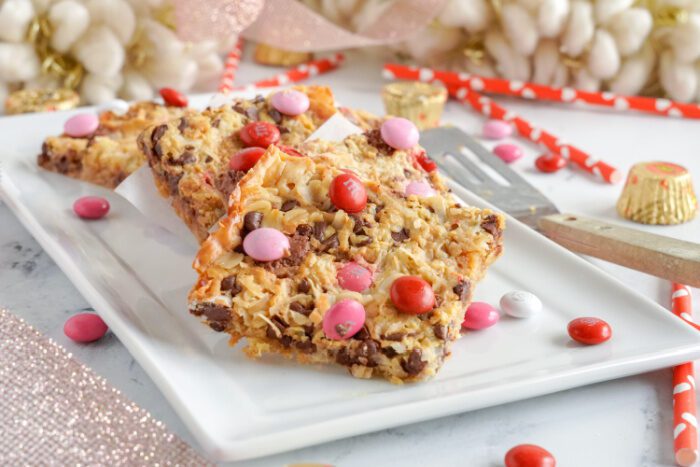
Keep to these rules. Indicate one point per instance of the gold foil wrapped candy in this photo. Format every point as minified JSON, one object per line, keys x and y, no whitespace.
{"x":272,"y":56}
{"x":658,"y":193}
{"x":40,"y":100}
{"x":422,"y":103}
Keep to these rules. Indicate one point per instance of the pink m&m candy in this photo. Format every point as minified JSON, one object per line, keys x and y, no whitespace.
{"x":84,"y":327}
{"x":399,"y":133}
{"x":354,"y":277}
{"x":419,"y":189}
{"x":91,"y":207}
{"x":497,"y":129}
{"x":480,"y":315}
{"x":508,"y":152}
{"x":344,"y":319}
{"x":290,"y":102}
{"x":266,"y":244}
{"x":81,"y":125}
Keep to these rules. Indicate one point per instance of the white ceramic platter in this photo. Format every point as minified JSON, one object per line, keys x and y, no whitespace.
{"x":136,"y":275}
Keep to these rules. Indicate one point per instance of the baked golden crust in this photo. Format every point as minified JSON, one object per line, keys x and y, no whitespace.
{"x":189,"y":157}
{"x":279,"y":306}
{"x":111,"y":154}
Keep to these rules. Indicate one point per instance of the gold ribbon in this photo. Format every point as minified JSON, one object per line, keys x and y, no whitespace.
{"x":62,"y":66}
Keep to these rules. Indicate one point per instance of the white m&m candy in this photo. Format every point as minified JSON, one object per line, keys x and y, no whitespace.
{"x":520,"y":304}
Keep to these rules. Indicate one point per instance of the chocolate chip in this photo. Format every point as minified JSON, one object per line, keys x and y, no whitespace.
{"x":400,"y":236}
{"x":374,"y":138}
{"x":362,"y":334}
{"x":258,"y":99}
{"x":238,"y":108}
{"x":359,"y":226}
{"x":252,"y":221}
{"x":275,"y":115}
{"x":182,"y":125}
{"x":395,"y":336}
{"x":279,"y":322}
{"x":173,"y":181}
{"x":208,"y":159}
{"x":363,"y":242}
{"x":306,"y":347}
{"x":305,"y":230}
{"x":228,"y":181}
{"x":158,"y":133}
{"x":286,"y":341}
{"x":185,"y":158}
{"x":283,"y":129}
{"x":230,"y":284}
{"x":440,"y":331}
{"x":216,"y":122}
{"x":320,"y":230}
{"x":343,"y":357}
{"x":289,"y":205}
{"x":462,"y":289}
{"x":213,"y":312}
{"x":490,"y":224}
{"x":367,"y":349}
{"x":217,"y":326}
{"x":286,"y":267}
{"x":300,"y":308}
{"x":330,"y":243}
{"x":303,"y":286}
{"x":389,"y":352}
{"x":252,"y":113}
{"x":413,"y":365}
{"x":309,"y":329}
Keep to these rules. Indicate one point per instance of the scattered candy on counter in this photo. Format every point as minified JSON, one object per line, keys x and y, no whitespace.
{"x":246,"y":158}
{"x":173,"y":98}
{"x":529,"y":455}
{"x":84,"y":327}
{"x":91,"y":207}
{"x":344,"y":319}
{"x":521,"y":304}
{"x":480,"y":315}
{"x":497,"y":129}
{"x":508,"y":153}
{"x":348,"y":193}
{"x":260,"y":134}
{"x":81,"y":125}
{"x":290,"y":102}
{"x":399,"y":133}
{"x":412,"y":294}
{"x":265,"y":244}
{"x":549,"y":163}
{"x":589,"y":331}
{"x":419,"y":188}
{"x":354,"y":277}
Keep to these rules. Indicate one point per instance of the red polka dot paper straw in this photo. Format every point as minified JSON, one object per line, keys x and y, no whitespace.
{"x":487,"y":107}
{"x":656,"y":106}
{"x":685,"y":425}
{"x":303,"y":71}
{"x":233,"y":59}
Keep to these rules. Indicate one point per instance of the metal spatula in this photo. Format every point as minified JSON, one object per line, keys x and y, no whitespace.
{"x":498,"y":184}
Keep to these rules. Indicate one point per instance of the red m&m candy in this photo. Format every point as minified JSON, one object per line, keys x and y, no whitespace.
{"x":91,"y":207}
{"x":529,"y":455}
{"x":84,"y":327}
{"x":260,"y":134}
{"x":245,"y":158}
{"x":348,"y":193}
{"x":289,"y":150}
{"x":411,"y":294}
{"x":589,"y":331}
{"x":172,"y":97}
{"x":549,"y":163}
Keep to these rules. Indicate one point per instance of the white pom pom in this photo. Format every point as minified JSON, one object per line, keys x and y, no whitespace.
{"x":584,"y":80}
{"x":117,"y":15}
{"x":685,"y":40}
{"x":482,"y":68}
{"x":678,"y":79}
{"x":431,"y":42}
{"x":100,"y":52}
{"x":561,"y":76}
{"x":69,"y":19}
{"x":509,"y":63}
{"x":519,"y":27}
{"x":603,"y":59}
{"x":209,"y":64}
{"x":630,"y":29}
{"x":18,"y":62}
{"x":634,"y":72}
{"x":579,"y":29}
{"x":368,"y":14}
{"x":472,"y":15}
{"x":136,"y":87}
{"x":552,"y":16}
{"x":606,"y":9}
{"x":15,"y":16}
{"x":339,"y":11}
{"x":545,"y":61}
{"x":97,"y":89}
{"x":178,"y":72}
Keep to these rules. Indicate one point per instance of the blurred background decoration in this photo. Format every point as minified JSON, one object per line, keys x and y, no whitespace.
{"x":106,"y":49}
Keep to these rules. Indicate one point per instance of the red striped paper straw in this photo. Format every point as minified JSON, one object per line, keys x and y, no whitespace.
{"x":487,"y":107}
{"x":685,"y":425}
{"x":656,"y":106}
{"x":302,"y":72}
{"x":233,"y":59}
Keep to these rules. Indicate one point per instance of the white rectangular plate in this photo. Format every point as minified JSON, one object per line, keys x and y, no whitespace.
{"x":137,"y":277}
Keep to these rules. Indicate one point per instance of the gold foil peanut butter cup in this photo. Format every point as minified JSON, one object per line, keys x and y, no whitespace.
{"x":422,"y":103}
{"x":267,"y":55}
{"x":40,"y":100}
{"x":658,"y":193}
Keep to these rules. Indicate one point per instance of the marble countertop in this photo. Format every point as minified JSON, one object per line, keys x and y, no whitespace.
{"x":627,"y":422}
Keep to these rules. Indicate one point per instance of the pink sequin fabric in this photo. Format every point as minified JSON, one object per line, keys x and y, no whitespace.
{"x":56,"y":411}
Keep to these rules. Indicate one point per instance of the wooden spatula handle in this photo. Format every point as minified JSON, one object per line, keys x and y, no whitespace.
{"x":665,"y":257}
